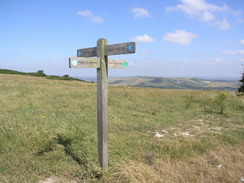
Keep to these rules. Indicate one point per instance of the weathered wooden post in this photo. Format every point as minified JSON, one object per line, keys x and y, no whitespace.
{"x":102,"y":63}
{"x":102,"y":104}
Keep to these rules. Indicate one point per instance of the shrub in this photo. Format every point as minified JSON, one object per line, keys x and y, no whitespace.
{"x":41,"y":73}
{"x":216,"y":102}
{"x":241,"y":89}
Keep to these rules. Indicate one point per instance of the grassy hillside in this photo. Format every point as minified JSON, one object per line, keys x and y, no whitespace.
{"x":175,"y":83}
{"x":48,"y":133}
{"x":39,"y":73}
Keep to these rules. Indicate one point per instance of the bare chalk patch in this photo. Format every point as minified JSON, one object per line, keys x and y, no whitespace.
{"x":186,"y":134}
{"x":54,"y":179}
{"x":158,"y":135}
{"x":216,"y":128}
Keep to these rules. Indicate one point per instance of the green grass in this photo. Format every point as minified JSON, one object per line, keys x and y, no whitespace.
{"x":49,"y":128}
{"x":39,"y":73}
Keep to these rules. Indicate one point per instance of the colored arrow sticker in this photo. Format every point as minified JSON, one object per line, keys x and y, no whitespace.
{"x":129,"y":47}
{"x":79,"y":53}
{"x":125,"y":64}
{"x":74,"y":62}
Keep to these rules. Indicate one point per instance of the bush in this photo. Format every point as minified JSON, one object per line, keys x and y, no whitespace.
{"x":66,"y":77}
{"x":41,"y":73}
{"x":216,"y":103}
{"x":241,"y":89}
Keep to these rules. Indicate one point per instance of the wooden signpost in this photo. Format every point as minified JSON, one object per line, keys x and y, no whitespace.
{"x":102,"y":63}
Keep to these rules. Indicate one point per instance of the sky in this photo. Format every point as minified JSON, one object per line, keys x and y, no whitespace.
{"x":174,"y":38}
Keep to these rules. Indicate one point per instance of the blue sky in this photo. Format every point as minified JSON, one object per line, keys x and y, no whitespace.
{"x":174,"y":38}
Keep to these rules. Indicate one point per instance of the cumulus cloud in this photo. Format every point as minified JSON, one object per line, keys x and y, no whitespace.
{"x":223,"y":25}
{"x":180,"y":37}
{"x":143,"y":39}
{"x":140,"y":12}
{"x":231,"y":52}
{"x":90,"y":16}
{"x":200,"y":9}
{"x":205,"y":12}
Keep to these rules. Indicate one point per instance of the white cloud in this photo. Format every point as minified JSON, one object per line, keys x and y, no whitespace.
{"x":91,"y":16}
{"x":180,"y":37}
{"x":242,"y":42}
{"x":213,"y":61}
{"x":218,"y":60}
{"x":85,"y":13}
{"x":207,"y":16}
{"x":223,"y":25}
{"x":242,"y":60}
{"x":140,"y":12}
{"x":143,"y":39}
{"x":231,"y":52}
{"x":199,"y":9}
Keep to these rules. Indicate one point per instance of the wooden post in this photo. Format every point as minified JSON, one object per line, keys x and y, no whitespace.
{"x":102,"y":104}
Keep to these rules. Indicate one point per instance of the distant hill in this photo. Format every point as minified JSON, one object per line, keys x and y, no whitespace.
{"x":176,"y":83}
{"x":7,"y":71}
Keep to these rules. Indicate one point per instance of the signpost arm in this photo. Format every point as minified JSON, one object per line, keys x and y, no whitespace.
{"x":102,"y":103}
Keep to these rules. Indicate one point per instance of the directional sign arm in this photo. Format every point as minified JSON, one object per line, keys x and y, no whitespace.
{"x":83,"y":62}
{"x":87,"y":52}
{"x":87,"y":62}
{"x":113,"y":49}
{"x":122,"y":48}
{"x":117,"y":64}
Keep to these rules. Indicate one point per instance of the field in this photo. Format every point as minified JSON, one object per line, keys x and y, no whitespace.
{"x":48,"y":133}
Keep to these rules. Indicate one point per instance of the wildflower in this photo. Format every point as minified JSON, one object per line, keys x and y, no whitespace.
{"x":43,"y":117}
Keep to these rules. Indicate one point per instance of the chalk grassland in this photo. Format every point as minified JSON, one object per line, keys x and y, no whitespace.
{"x":48,"y":133}
{"x":175,"y":83}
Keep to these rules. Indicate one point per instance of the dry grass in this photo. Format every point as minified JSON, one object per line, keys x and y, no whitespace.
{"x":224,"y":164}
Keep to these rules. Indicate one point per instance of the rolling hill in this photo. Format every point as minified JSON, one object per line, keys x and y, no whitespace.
{"x":176,"y":83}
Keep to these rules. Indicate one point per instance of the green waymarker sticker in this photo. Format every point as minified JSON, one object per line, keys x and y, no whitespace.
{"x":125,"y":64}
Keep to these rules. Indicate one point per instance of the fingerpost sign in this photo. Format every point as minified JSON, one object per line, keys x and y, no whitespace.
{"x":102,"y":63}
